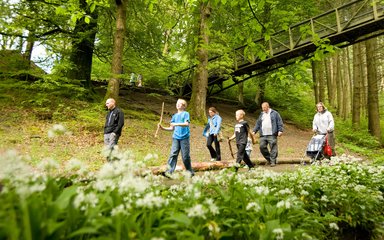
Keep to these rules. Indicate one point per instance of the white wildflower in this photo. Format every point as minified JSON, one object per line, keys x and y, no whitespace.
{"x":254,"y":206}
{"x":151,"y":201}
{"x":212,"y":206}
{"x":324,"y":198}
{"x":279,"y":233}
{"x":334,"y":226}
{"x":197,"y":211}
{"x":285,"y":191}
{"x":83,"y":201}
{"x":262,"y":190}
{"x":284,"y":204}
{"x":48,"y":165}
{"x":119,"y":210}
{"x":304,"y":193}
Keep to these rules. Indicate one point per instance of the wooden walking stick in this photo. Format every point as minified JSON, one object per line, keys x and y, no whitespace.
{"x":230,"y":148}
{"x":161,"y":119}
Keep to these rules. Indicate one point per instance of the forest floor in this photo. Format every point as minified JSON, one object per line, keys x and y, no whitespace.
{"x":142,"y":110}
{"x":292,"y":144}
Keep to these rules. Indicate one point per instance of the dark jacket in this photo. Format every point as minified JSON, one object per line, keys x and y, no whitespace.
{"x":114,"y":121}
{"x":277,"y":123}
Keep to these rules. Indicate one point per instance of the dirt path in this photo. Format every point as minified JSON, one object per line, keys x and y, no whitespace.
{"x":291,"y":144}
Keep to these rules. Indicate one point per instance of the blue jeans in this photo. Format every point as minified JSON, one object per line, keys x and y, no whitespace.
{"x":184,"y":146}
{"x":269,"y":155}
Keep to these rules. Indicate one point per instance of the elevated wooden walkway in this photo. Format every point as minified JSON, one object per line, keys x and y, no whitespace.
{"x":343,"y":26}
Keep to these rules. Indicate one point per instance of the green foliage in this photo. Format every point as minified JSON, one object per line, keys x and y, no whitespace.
{"x":80,"y":204}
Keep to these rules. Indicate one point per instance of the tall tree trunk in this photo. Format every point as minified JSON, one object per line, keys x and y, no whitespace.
{"x":118,"y":49}
{"x":167,"y":34}
{"x":315,"y":79}
{"x":200,"y":81}
{"x":328,"y":77}
{"x":241,"y":93}
{"x":357,"y":85}
{"x":83,"y":44}
{"x":344,"y":83}
{"x":260,"y":91}
{"x":373,"y":90}
{"x":338,"y":79}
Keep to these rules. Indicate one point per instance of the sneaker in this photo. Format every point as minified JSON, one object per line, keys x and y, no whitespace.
{"x":273,"y":164}
{"x":213,"y":159}
{"x":166,"y":174}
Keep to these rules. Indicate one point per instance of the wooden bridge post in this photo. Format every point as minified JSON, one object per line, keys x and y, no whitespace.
{"x":374,"y":8}
{"x":339,"y":29}
{"x":291,"y":44}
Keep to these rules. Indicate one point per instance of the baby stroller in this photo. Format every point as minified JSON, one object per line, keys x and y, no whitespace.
{"x":318,"y":148}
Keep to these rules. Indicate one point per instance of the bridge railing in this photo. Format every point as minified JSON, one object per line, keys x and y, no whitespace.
{"x":332,"y":22}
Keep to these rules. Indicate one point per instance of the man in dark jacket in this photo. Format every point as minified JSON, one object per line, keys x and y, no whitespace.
{"x":114,"y":122}
{"x":270,"y":126}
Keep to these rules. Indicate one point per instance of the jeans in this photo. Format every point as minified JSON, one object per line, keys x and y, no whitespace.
{"x":110,"y":140}
{"x":214,"y":154}
{"x":269,"y":155}
{"x":184,"y":146}
{"x":243,"y":156}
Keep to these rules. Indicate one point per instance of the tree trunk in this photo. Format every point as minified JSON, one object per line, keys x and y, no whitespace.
{"x":357,"y":85}
{"x":344,"y":83}
{"x":118,"y":49}
{"x":315,"y":79}
{"x":200,"y":81}
{"x":83,"y":44}
{"x":328,"y":77}
{"x":167,"y":34}
{"x":241,"y":93}
{"x":373,"y":90}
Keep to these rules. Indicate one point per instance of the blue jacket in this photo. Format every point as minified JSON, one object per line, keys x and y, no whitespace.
{"x":277,"y":123}
{"x":216,"y":125}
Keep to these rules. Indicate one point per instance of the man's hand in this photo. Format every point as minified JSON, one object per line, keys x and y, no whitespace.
{"x":279,"y":134}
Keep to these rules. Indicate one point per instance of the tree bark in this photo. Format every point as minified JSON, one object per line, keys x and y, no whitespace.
{"x":357,"y":85}
{"x":200,"y":81}
{"x":241,"y":93}
{"x":118,"y":50}
{"x":83,"y":44}
{"x":315,"y":79}
{"x":373,"y":90}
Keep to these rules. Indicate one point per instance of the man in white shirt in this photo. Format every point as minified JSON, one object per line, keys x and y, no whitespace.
{"x":270,"y":126}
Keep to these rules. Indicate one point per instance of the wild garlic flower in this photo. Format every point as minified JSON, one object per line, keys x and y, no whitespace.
{"x":285,"y":191}
{"x":197,"y":211}
{"x":151,"y":201}
{"x":24,"y":190}
{"x":253,"y":206}
{"x":48,"y":165}
{"x":279,"y":233}
{"x":85,"y":201}
{"x":119,"y":210}
{"x":334,"y":226}
{"x":262,"y":190}
{"x":284,"y":204}
{"x":212,"y":207}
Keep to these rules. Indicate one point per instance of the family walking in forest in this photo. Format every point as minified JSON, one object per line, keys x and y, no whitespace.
{"x":269,"y":125}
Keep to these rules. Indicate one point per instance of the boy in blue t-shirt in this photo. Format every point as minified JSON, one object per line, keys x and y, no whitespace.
{"x":180,"y":139}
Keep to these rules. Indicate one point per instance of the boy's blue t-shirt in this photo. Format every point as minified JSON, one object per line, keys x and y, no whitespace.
{"x":180,"y":132}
